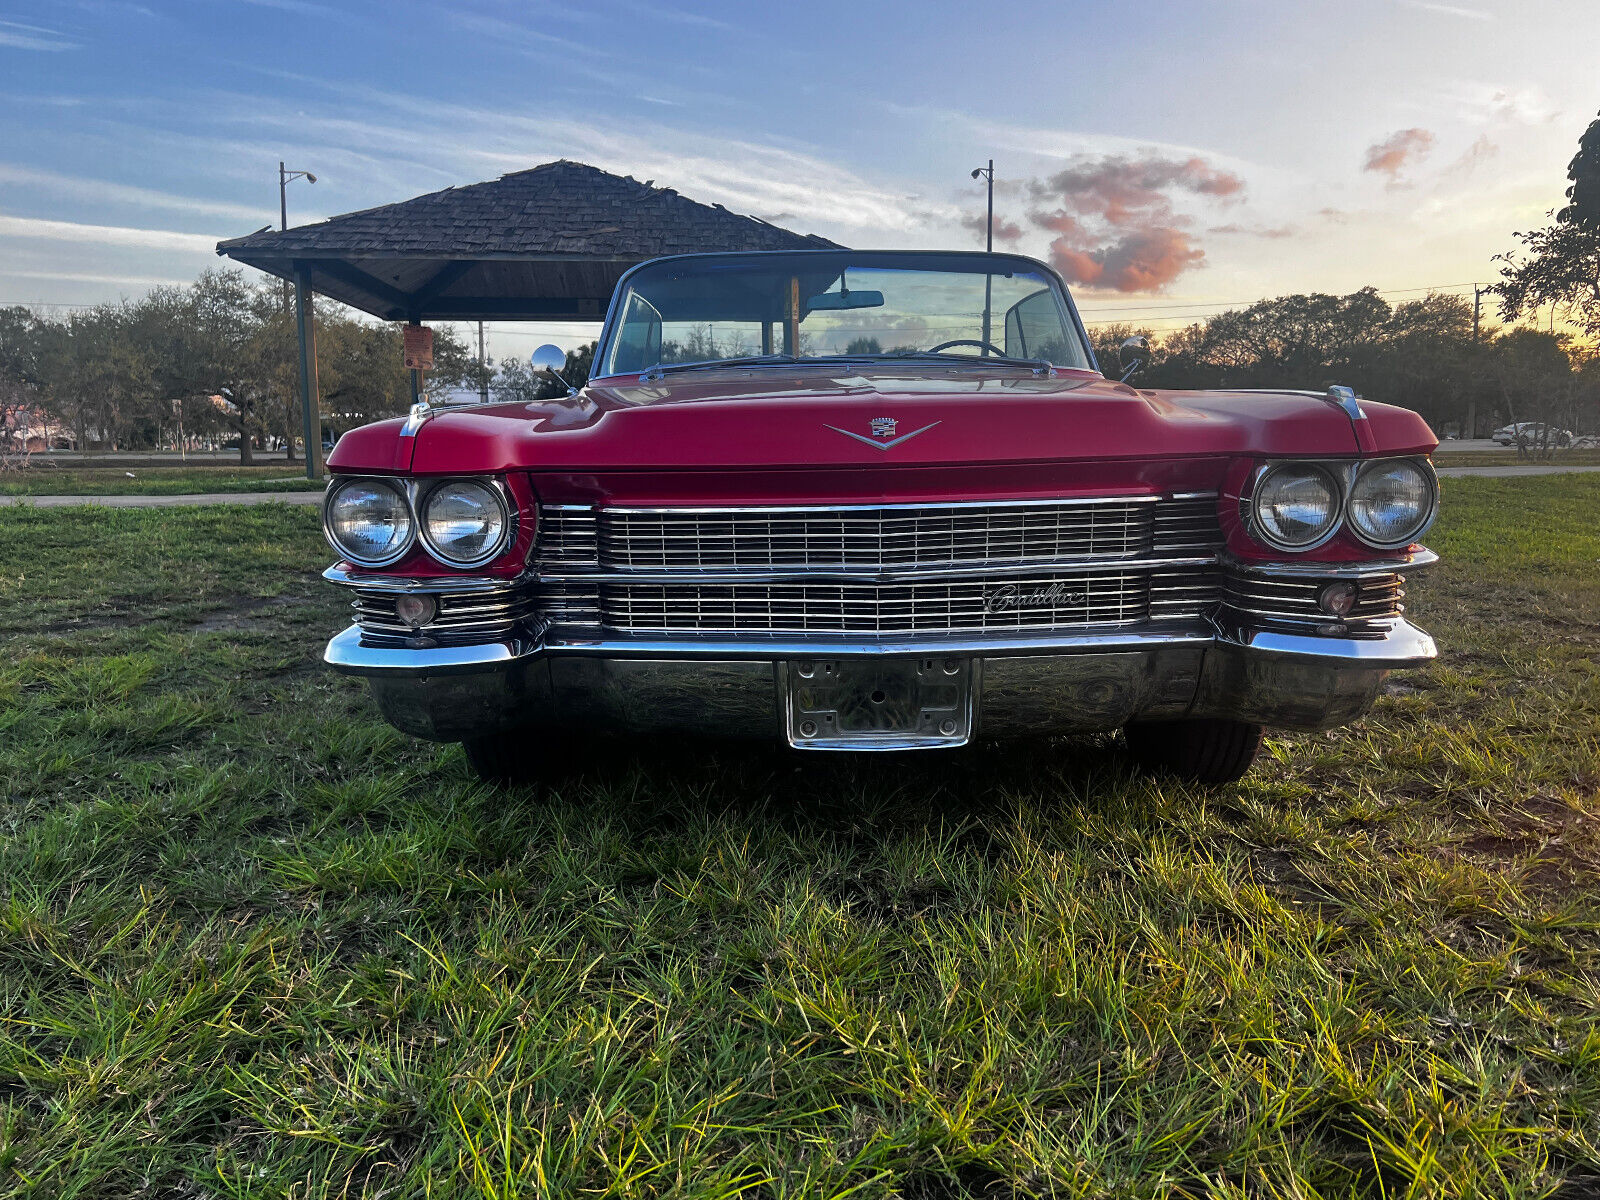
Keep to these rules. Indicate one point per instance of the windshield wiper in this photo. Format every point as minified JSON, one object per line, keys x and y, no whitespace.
{"x":971,"y":360}
{"x":753,"y":360}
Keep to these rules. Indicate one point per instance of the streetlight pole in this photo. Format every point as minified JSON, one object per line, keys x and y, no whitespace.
{"x":483,"y":375}
{"x":289,"y":311}
{"x":988,"y":245}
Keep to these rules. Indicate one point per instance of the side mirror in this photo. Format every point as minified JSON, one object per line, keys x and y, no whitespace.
{"x":548,"y":359}
{"x":1133,"y":355}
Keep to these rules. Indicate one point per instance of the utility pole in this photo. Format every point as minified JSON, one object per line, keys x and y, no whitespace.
{"x":483,"y":376}
{"x":988,"y":245}
{"x":1472,"y":383}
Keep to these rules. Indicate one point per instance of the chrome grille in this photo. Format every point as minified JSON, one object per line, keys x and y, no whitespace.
{"x":463,"y":616}
{"x":1378,"y":597}
{"x":1186,"y":525}
{"x":872,"y":539}
{"x":566,"y":536}
{"x":570,"y":603}
{"x":1185,"y":592}
{"x":959,"y":606}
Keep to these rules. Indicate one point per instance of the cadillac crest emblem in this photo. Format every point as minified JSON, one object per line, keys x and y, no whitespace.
{"x":882,"y":427}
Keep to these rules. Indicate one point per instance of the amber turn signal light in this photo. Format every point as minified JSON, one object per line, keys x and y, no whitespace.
{"x":1337,"y":599}
{"x":415,"y":611}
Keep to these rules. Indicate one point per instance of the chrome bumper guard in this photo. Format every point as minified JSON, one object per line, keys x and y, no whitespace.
{"x":1081,"y":682}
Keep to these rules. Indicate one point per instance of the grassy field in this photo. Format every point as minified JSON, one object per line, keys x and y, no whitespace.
{"x":253,"y":943}
{"x":138,"y":480}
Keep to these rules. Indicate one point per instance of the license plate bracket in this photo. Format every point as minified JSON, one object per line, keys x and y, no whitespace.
{"x":878,"y":703}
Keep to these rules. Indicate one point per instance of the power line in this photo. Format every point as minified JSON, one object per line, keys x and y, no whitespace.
{"x":47,"y":304}
{"x":1141,"y":314}
{"x":1221,"y":305}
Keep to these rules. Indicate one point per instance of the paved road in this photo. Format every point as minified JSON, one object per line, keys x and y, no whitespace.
{"x":1513,"y":472}
{"x":167,"y":501}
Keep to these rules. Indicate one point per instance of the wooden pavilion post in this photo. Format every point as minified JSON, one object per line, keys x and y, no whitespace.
{"x":306,"y":332}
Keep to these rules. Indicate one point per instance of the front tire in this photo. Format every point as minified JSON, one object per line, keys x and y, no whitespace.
{"x":510,"y":756}
{"x":1209,"y":750}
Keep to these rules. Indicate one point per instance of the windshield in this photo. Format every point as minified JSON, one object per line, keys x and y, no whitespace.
{"x":827,"y":304}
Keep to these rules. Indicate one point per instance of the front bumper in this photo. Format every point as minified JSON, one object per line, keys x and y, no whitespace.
{"x":1082,"y":682}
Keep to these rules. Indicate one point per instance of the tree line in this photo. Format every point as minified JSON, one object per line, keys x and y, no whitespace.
{"x":1430,"y":355}
{"x":216,"y":363}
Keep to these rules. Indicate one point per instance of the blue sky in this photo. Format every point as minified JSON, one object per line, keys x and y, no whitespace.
{"x":1172,"y":158}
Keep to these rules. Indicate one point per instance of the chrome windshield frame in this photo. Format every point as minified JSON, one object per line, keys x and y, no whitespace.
{"x":1059,"y":287}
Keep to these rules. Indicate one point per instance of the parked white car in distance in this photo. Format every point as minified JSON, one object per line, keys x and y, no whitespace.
{"x":1532,"y":433}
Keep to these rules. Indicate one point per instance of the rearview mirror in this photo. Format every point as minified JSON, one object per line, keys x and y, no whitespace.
{"x":834,"y":301}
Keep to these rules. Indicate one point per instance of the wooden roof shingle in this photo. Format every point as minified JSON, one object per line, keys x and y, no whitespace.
{"x":546,"y":243}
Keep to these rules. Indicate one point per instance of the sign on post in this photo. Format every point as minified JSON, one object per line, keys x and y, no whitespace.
{"x":419,"y":348}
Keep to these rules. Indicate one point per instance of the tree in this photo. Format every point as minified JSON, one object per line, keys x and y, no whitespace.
{"x":1584,"y":171}
{"x":1560,"y":264}
{"x":19,"y":380}
{"x":1533,"y":372}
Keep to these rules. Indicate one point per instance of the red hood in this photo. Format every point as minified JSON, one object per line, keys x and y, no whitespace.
{"x":821,"y":416}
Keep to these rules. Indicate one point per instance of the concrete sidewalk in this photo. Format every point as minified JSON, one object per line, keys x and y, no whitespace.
{"x":164,"y":501}
{"x":1509,"y":472}
{"x":1513,"y":472}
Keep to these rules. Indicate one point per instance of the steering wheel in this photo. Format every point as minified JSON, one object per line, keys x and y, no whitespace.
{"x":978,"y":342}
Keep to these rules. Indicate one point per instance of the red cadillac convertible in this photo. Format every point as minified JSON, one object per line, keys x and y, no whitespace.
{"x":877,"y":501}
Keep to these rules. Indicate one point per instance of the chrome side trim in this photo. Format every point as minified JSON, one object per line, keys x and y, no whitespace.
{"x":1414,"y":561}
{"x":441,"y":583}
{"x":571,"y":640}
{"x":1401,"y":644}
{"x":1125,"y":562}
{"x":1124,"y":498}
{"x":347,"y":654}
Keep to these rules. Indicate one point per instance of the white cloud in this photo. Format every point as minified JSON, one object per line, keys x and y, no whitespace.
{"x":109,"y":235}
{"x":1449,"y":10}
{"x":104,"y":192}
{"x":790,"y":185}
{"x":32,"y":37}
{"x":144,"y":281}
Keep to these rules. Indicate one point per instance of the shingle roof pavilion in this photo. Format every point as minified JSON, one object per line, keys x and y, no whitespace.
{"x":548,"y":243}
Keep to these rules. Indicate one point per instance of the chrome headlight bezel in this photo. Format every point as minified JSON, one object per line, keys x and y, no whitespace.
{"x":1258,"y":528}
{"x":496,"y":490}
{"x":336,"y":486}
{"x":1430,"y":512}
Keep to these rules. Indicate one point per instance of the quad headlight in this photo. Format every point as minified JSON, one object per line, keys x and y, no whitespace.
{"x":1392,"y":502}
{"x":368,"y":521}
{"x":1296,"y":505}
{"x":465,"y":523}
